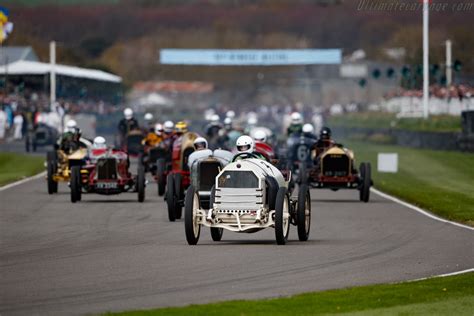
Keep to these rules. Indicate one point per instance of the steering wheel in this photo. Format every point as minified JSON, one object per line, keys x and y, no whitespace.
{"x":245,"y":155}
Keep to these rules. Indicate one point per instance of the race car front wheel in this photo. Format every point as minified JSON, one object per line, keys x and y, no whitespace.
{"x":216,"y":233}
{"x":303,"y":213}
{"x":75,"y":184}
{"x":160,"y":176}
{"x":170,"y":198}
{"x":141,"y":183}
{"x":366,"y":181}
{"x":191,"y":226}
{"x":282,"y":216}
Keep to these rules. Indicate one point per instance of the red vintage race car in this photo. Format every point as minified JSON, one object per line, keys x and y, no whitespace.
{"x":107,"y":172}
{"x":177,"y":179}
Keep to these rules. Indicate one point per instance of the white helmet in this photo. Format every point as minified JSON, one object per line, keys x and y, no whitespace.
{"x":252,"y":120}
{"x":99,"y":143}
{"x":230,"y":114}
{"x":200,"y":143}
{"x":296,"y":118}
{"x":260,"y":136}
{"x":159,"y":129}
{"x":71,"y":125}
{"x":308,"y":128}
{"x":128,"y":113}
{"x":245,"y":144}
{"x":168,"y":126}
{"x":148,"y":117}
{"x":215,"y":118}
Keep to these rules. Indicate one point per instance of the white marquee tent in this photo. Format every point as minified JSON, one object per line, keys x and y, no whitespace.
{"x":24,"y":67}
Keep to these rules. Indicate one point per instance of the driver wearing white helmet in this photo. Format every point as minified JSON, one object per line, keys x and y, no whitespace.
{"x":128,"y":123}
{"x":296,"y":126}
{"x":70,"y":139}
{"x":246,"y":149}
{"x":260,"y":136}
{"x":308,"y":131}
{"x":149,"y":122}
{"x":99,"y":143}
{"x":168,"y":128}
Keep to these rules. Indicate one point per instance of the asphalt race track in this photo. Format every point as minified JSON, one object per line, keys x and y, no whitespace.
{"x":110,"y":253}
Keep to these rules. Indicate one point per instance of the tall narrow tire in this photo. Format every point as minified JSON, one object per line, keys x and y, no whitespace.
{"x":75,"y":183}
{"x":170,"y":198}
{"x":141,"y":183}
{"x":272,"y":190}
{"x":303,"y":213}
{"x":191,"y":227}
{"x":216,"y":233}
{"x":282,"y":216}
{"x":52,"y":185}
{"x":179,"y":194}
{"x":366,"y":182}
{"x":160,"y":176}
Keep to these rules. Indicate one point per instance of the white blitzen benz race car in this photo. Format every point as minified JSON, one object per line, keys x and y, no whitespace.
{"x":249,"y":195}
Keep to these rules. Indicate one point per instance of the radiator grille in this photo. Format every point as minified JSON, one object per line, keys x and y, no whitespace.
{"x":336,"y":166}
{"x":107,"y":169}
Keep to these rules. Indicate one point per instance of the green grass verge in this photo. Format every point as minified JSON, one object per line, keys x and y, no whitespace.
{"x":17,"y":166}
{"x":441,"y":182}
{"x":439,"y":296}
{"x":436,"y":123}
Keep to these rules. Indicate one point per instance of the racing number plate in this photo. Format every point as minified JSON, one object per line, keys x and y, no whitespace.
{"x":106,"y":185}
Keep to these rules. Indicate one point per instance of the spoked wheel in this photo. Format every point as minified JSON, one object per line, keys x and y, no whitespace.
{"x":216,"y":233}
{"x":160,"y":175}
{"x":366,"y":181}
{"x":191,"y":226}
{"x":303,"y":212}
{"x":51,"y":163}
{"x":178,"y":194}
{"x":76,"y":193}
{"x":170,"y":198}
{"x":282,"y":216}
{"x":141,"y":183}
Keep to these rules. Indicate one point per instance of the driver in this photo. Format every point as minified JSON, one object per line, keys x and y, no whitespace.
{"x":70,"y":139}
{"x":246,"y":149}
{"x":324,"y":142}
{"x":99,"y":143}
{"x":201,"y":151}
{"x":154,"y":137}
{"x":149,"y":122}
{"x":181,"y":128}
{"x":128,"y":123}
{"x":296,"y":126}
{"x":308,"y":131}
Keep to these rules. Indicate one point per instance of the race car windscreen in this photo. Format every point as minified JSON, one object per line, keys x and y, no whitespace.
{"x":238,"y":179}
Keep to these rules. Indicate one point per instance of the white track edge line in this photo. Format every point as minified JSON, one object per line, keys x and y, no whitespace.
{"x":419,"y":210}
{"x":443,"y":275}
{"x":16,"y":183}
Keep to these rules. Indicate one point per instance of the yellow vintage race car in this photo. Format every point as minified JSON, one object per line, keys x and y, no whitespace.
{"x":335,"y":169}
{"x":59,"y":164}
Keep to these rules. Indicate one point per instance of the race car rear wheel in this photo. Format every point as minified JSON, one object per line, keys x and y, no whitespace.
{"x":170,"y":198}
{"x":191,"y":226}
{"x":178,"y":194}
{"x":75,"y":184}
{"x":303,"y":213}
{"x":141,"y":183}
{"x":160,"y":176}
{"x":282,"y":216}
{"x":366,"y":181}
{"x":216,"y":233}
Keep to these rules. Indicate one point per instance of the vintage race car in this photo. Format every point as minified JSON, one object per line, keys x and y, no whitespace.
{"x":106,"y":172}
{"x":177,"y":179}
{"x":248,"y":195}
{"x":59,"y":165}
{"x":335,"y":169}
{"x":299,"y":159}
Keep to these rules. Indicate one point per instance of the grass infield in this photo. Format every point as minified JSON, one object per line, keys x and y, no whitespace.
{"x":441,"y":182}
{"x":438,"y":296}
{"x":15,"y":167}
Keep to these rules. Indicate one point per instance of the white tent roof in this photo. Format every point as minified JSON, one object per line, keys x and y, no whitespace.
{"x":25,"y":67}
